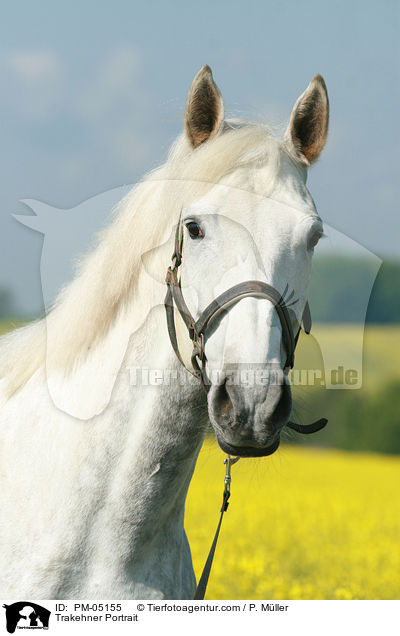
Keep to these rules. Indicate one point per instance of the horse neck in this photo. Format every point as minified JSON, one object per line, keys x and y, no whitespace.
{"x":167,"y":411}
{"x":154,"y":434}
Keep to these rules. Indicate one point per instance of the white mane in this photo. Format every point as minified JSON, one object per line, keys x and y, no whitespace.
{"x":106,"y":278}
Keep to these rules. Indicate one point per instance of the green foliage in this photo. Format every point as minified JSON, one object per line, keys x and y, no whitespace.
{"x":384,"y":305}
{"x":362,"y":419}
{"x":358,"y":420}
{"x":339,"y":285}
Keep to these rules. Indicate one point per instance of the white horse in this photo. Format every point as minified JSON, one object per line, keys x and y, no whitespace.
{"x":96,"y":464}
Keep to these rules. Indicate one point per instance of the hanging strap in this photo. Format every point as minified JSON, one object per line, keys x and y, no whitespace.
{"x":202,"y":584}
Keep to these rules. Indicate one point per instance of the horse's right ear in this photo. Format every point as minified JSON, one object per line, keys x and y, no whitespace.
{"x":308,"y":126}
{"x":204,"y":115}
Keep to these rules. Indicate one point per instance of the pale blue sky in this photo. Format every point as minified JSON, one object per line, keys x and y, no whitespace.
{"x":93,"y":94}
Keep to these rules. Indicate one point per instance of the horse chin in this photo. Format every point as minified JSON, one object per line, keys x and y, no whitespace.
{"x":248,"y":451}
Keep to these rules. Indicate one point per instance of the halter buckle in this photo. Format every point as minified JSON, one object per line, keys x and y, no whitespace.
{"x":198,"y":343}
{"x":229,"y":461}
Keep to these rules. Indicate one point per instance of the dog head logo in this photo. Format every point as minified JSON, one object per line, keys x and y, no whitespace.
{"x":26,"y":615}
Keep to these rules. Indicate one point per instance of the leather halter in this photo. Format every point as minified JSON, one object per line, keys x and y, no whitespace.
{"x":209,"y":320}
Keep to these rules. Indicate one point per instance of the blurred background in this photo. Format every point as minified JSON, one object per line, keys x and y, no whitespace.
{"x":93,"y":95}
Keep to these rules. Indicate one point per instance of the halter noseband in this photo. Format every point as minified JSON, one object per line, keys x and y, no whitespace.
{"x":212,"y":314}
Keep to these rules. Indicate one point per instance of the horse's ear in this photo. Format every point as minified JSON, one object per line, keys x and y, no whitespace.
{"x":204,"y":115}
{"x":308,"y":126}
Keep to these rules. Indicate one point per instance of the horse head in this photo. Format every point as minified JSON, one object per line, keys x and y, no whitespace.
{"x":257,"y":224}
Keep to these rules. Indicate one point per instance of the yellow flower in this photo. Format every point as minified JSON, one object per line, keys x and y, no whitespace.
{"x":302,"y":524}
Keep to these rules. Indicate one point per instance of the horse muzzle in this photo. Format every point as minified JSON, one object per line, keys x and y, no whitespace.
{"x":248,"y":419}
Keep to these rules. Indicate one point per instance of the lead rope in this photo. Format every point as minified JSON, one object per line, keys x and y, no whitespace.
{"x":202,"y":585}
{"x":229,"y":461}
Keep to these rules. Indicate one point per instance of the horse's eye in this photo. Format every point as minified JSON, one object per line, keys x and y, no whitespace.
{"x":194,"y":229}
{"x":313,"y":240}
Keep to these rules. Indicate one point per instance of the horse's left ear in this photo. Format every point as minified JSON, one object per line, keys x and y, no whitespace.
{"x":308,"y":127}
{"x":204,"y":115}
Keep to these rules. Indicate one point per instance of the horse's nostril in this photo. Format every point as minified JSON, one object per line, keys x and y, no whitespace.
{"x":222,"y":402}
{"x":250,"y":411}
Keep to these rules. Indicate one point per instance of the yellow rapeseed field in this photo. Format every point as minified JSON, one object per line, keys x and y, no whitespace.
{"x":302,"y":524}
